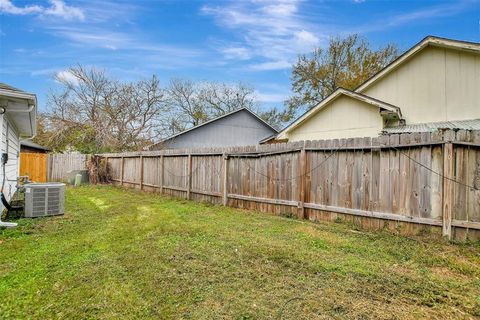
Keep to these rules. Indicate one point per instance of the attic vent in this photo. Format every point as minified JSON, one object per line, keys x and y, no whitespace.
{"x":44,"y":199}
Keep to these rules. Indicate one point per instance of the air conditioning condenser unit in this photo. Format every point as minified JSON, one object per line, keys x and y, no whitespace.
{"x":44,"y":199}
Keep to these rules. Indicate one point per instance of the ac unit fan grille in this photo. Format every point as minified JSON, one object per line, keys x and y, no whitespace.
{"x":39,"y":196}
{"x":53,"y":205}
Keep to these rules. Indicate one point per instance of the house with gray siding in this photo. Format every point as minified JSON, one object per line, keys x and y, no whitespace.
{"x":241,"y":127}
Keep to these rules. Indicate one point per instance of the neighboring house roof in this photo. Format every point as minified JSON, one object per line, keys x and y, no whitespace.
{"x":427,"y":41}
{"x":387,"y":107}
{"x":32,"y":145}
{"x":213,"y":120}
{"x":357,"y":93}
{"x":266,"y":139}
{"x":434,"y":126}
{"x":21,"y":108}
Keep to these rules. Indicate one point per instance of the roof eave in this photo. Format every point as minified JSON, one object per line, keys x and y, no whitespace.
{"x":425,"y":42}
{"x":28,"y":99}
{"x":332,"y":97}
{"x":18,"y":95}
{"x":213,"y":120}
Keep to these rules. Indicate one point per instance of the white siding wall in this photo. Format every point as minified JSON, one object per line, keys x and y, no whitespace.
{"x":343,"y":118}
{"x":437,"y":84}
{"x":10,"y":141}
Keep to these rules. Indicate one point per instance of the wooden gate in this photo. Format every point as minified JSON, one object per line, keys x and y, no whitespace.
{"x":34,"y":165}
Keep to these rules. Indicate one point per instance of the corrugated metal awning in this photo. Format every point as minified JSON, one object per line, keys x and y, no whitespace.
{"x":434,"y":126}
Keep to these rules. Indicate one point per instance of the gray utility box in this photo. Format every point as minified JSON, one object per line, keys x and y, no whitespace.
{"x":44,"y":199}
{"x":72,"y":174}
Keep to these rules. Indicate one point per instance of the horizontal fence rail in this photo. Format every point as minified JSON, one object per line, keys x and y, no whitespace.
{"x":407,"y":181}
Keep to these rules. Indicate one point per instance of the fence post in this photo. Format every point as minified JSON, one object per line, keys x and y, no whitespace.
{"x":189,"y":177}
{"x":301,"y":193}
{"x":161,"y":174}
{"x":106,"y":169}
{"x":121,"y":171}
{"x":225,"y":178}
{"x":141,"y":172}
{"x":448,"y":173}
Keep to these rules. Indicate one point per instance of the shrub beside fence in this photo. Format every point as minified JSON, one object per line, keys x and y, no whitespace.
{"x":419,"y":182}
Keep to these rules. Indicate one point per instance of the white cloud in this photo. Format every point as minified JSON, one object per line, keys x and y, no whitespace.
{"x":60,"y":9}
{"x":424,"y":15}
{"x":57,"y":8}
{"x":305,"y":38}
{"x":271,"y":65}
{"x":44,"y":71}
{"x":271,"y":97}
{"x":281,"y":9}
{"x":67,"y":76}
{"x":6,"y":6}
{"x":125,"y":43}
{"x":239,"y":53}
{"x":432,"y":12}
{"x":113,"y":12}
{"x":93,"y":37}
{"x":273,"y":31}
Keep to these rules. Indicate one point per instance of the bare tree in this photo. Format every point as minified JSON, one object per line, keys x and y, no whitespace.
{"x":221,"y":98}
{"x":94,"y":113}
{"x":192,"y":103}
{"x":184,"y":102}
{"x":134,"y":114}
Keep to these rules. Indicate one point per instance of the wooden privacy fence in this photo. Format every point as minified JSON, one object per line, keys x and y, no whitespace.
{"x":60,"y":163}
{"x":34,"y":165}
{"x":419,"y":182}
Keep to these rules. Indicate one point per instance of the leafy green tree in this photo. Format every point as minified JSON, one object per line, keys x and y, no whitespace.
{"x":347,"y":63}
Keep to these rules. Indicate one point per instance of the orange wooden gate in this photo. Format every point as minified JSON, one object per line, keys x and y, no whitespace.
{"x":34,"y":165}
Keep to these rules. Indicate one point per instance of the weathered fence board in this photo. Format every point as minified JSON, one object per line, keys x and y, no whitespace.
{"x":59,"y":164}
{"x":408,"y":181}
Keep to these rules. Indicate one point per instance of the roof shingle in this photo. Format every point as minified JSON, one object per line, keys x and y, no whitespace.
{"x":434,"y":126}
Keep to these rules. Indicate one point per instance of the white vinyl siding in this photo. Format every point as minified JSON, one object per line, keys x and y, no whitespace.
{"x":437,"y":84}
{"x":343,"y":118}
{"x":10,"y":143}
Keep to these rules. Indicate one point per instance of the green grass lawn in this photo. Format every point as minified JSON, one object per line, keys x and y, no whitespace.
{"x":121,"y":254}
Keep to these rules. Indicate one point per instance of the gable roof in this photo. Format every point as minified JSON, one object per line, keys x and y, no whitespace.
{"x":357,"y":93}
{"x":213,"y":120}
{"x":425,"y":42}
{"x":21,"y":108}
{"x":32,"y":145}
{"x":9,"y":91}
{"x":332,"y":97}
{"x":5,"y":86}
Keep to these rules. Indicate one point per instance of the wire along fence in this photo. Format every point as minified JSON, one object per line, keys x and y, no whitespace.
{"x":413,"y":183}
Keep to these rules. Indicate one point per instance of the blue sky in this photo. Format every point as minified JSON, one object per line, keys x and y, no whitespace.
{"x":255,"y":42}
